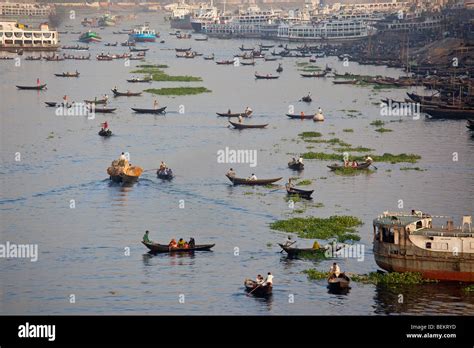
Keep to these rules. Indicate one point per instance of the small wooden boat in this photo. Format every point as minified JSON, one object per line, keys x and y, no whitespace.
{"x":67,"y":74}
{"x":226,"y":114}
{"x":103,"y":110}
{"x":182,"y":49}
{"x":301,"y":193}
{"x":314,"y":75}
{"x":111,"y":44}
{"x":270,"y":59}
{"x":150,"y":111}
{"x":137,"y":80}
{"x":340,"y":283}
{"x":244,"y":126}
{"x":266,"y":77}
{"x":256,"y":289}
{"x":56,"y":104}
{"x":136,"y":49}
{"x":38,"y":88}
{"x":165,"y":174}
{"x":209,"y":57}
{"x":242,"y":181}
{"x":279,"y":69}
{"x":163,"y":248}
{"x":266,"y":46}
{"x":225,"y":62}
{"x":203,"y":38}
{"x":307,"y":99}
{"x":125,"y":175}
{"x":105,"y":133}
{"x":242,"y":48}
{"x":360,"y":166}
{"x":344,"y":82}
{"x":96,"y":101}
{"x":247,"y":63}
{"x":126,"y":94}
{"x":302,"y":117}
{"x":296,"y":252}
{"x":296,"y":165}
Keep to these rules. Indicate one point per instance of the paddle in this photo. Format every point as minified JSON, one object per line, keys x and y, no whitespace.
{"x":374,"y":167}
{"x":259,"y":285}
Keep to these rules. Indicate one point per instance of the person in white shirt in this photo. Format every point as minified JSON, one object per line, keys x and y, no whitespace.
{"x":122,"y":157}
{"x":268,"y":280}
{"x":334,"y":270}
{"x":300,"y":160}
{"x":253,"y":177}
{"x":231,"y":173}
{"x":320,"y":111}
{"x":368,"y":159}
{"x":259,"y":279}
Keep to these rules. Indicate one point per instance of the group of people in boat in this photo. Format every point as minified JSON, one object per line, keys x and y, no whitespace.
{"x":182,"y":244}
{"x":231,"y":174}
{"x":295,"y":161}
{"x":355,"y":164}
{"x":267,"y":281}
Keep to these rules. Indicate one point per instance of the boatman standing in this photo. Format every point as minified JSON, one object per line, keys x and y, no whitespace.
{"x":368,"y":159}
{"x":231,"y":173}
{"x":240,"y":118}
{"x":122,"y":157}
{"x":155,"y":104}
{"x":289,"y":242}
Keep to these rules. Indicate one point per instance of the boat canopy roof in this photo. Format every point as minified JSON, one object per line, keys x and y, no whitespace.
{"x":399,"y":220}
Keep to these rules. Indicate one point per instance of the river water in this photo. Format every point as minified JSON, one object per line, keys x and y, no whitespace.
{"x":83,"y":251}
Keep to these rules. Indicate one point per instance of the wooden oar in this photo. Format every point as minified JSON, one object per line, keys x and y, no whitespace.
{"x":374,"y":167}
{"x":282,"y":250}
{"x":259,"y":285}
{"x":149,"y":170}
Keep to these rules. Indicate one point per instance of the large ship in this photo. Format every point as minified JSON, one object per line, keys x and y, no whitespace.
{"x":181,"y":16}
{"x":330,"y":30}
{"x":15,"y":36}
{"x":21,"y":11}
{"x":409,"y":243}
{"x":107,"y":21}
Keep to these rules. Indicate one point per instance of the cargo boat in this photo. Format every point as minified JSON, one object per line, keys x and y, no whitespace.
{"x":410,"y":243}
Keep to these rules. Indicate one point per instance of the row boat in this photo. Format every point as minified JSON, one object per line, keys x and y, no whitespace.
{"x":360,"y":166}
{"x":340,"y":283}
{"x":257,"y":289}
{"x":163,"y":248}
{"x":38,"y":88}
{"x":302,"y":193}
{"x":266,"y":77}
{"x":305,"y":117}
{"x":126,"y":94}
{"x":67,"y":74}
{"x":243,"y":181}
{"x":296,"y":165}
{"x":150,"y":111}
{"x":244,"y":126}
{"x":295,"y":252}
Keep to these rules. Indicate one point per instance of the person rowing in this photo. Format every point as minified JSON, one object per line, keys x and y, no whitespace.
{"x":289,"y":242}
{"x":231,"y":173}
{"x":105,"y":126}
{"x":155,"y":104}
{"x":268,"y":280}
{"x":334,"y":271}
{"x":259,"y":279}
{"x":253,"y":177}
{"x":146,"y":239}
{"x":163,"y":166}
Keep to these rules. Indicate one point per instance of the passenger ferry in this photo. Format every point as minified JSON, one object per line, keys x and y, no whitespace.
{"x":14,"y":36}
{"x":334,"y":30}
{"x":408,"y":242}
{"x":143,"y":34}
{"x":10,"y":10}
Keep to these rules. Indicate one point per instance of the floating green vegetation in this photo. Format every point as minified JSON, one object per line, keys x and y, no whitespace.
{"x":151,"y":66}
{"x":269,"y":245}
{"x":293,"y":198}
{"x":333,"y":141}
{"x":386,"y":157}
{"x":352,"y":171}
{"x":299,"y":211}
{"x":308,"y":255}
{"x":159,"y":75}
{"x":377,"y":123}
{"x":340,"y":227}
{"x":348,"y":130}
{"x":413,"y":168}
{"x":322,"y":178}
{"x":248,"y":193}
{"x":318,"y":205}
{"x":383,"y":130}
{"x":178,"y":91}
{"x":310,"y":147}
{"x":353,"y":149}
{"x":310,"y":135}
{"x":302,"y":63}
{"x":390,"y":279}
{"x":305,"y":182}
{"x":469,"y":288}
{"x":310,"y":68}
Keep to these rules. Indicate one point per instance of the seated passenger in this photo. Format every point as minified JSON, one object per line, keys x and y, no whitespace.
{"x":181,"y":243}
{"x":173,"y":244}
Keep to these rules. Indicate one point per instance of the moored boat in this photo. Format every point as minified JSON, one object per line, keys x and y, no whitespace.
{"x":125,"y":94}
{"x":302,"y":193}
{"x":408,"y":242}
{"x":38,"y":87}
{"x":314,"y":74}
{"x":243,"y":181}
{"x":266,"y":77}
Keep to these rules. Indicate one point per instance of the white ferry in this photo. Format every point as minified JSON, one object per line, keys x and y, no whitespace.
{"x":334,"y":30}
{"x":19,"y":10}
{"x":15,"y":36}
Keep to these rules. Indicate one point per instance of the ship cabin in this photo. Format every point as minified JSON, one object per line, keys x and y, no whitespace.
{"x":416,"y":229}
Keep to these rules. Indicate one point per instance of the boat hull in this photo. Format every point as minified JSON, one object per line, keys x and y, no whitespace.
{"x":432,"y":265}
{"x":162,"y":248}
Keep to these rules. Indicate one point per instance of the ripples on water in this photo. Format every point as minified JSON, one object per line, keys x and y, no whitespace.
{"x":82,"y":250}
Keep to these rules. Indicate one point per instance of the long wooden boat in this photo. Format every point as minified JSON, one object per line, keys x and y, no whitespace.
{"x":226,"y":114}
{"x":314,"y":75}
{"x":296,"y":165}
{"x":340,"y":283}
{"x":163,"y":248}
{"x":304,"y":117}
{"x":243,"y":181}
{"x":150,"y":111}
{"x":444,"y":112}
{"x":247,"y":63}
{"x":256,"y":289}
{"x":245,"y":126}
{"x":266,"y":77}
{"x":296,"y":252}
{"x":225,"y":62}
{"x":104,"y":110}
{"x":360,"y":166}
{"x":67,"y":74}
{"x":96,"y":101}
{"x":344,"y":82}
{"x":126,"y":94}
{"x":38,"y":88}
{"x":182,"y":49}
{"x":59,"y":104}
{"x":136,"y":49}
{"x":302,"y":193}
